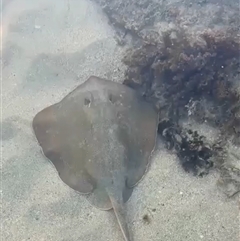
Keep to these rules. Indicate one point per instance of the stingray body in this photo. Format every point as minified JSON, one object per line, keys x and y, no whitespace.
{"x":99,"y":138}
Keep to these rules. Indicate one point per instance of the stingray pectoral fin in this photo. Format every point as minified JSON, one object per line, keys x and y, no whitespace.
{"x":119,"y":212}
{"x":100,"y":199}
{"x":127,"y":192}
{"x":80,"y":184}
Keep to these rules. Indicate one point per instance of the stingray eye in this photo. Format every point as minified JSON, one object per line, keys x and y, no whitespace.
{"x":87,"y":101}
{"x":110,"y":97}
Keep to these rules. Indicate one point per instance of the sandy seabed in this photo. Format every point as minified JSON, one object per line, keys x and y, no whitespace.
{"x":50,"y":47}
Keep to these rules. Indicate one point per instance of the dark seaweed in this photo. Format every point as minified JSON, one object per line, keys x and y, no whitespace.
{"x":184,"y":58}
{"x":192,"y":151}
{"x":184,"y":78}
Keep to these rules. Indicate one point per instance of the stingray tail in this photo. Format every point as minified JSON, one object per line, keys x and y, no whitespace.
{"x":119,"y":212}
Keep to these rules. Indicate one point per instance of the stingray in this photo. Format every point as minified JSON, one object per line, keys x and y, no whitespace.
{"x":100,"y":138}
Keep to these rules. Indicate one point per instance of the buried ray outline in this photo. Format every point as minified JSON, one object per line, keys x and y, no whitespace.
{"x":100,"y":138}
